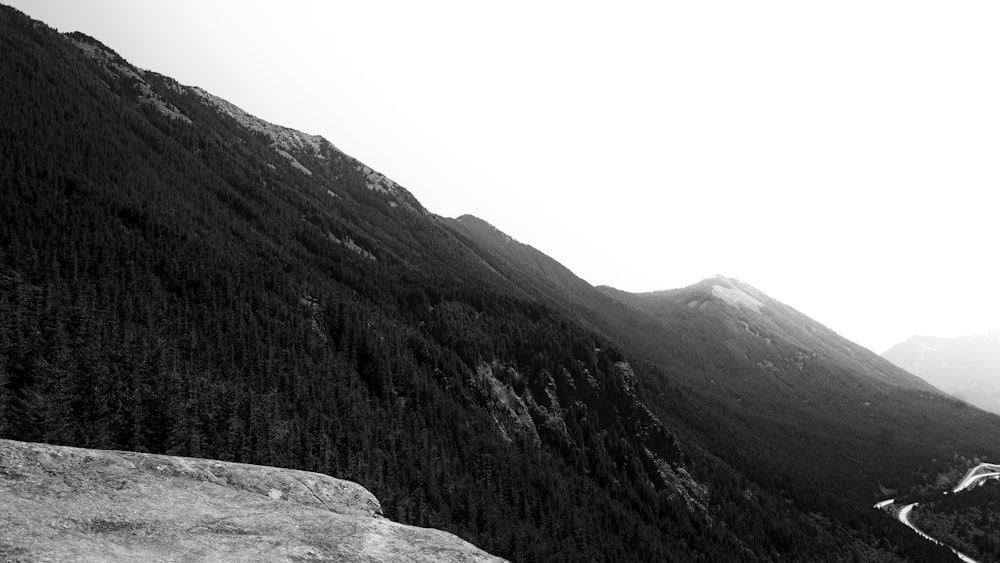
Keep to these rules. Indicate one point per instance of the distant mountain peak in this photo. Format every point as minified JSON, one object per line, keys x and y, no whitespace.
{"x":737,"y":296}
{"x":731,"y":291}
{"x":967,"y":367}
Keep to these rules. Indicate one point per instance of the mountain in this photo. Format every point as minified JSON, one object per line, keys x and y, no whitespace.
{"x":182,"y":278}
{"x":769,"y":335}
{"x":777,"y":395}
{"x":966,"y":367}
{"x":787,"y":392}
{"x":785,"y":397}
{"x":545,"y":279}
{"x":68,"y":504}
{"x":774,"y":380}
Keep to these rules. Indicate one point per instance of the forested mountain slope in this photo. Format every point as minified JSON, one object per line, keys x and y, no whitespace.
{"x":788,"y":402}
{"x":179,"y":277}
{"x":801,"y":409}
{"x":789,"y":397}
{"x":544,"y":278}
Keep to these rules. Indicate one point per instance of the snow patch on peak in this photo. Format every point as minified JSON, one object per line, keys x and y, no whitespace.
{"x":737,"y":297}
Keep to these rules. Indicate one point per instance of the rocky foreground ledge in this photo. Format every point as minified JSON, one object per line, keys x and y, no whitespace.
{"x":70,"y":504}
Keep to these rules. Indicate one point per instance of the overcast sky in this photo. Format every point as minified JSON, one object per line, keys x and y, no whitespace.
{"x":842,"y":157}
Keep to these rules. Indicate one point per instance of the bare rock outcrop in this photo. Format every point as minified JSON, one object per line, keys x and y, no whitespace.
{"x":60,"y":503}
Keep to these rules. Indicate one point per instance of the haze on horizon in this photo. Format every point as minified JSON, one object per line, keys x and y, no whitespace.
{"x":840,"y":158}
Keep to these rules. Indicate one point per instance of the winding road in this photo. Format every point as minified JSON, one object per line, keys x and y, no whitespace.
{"x":978,"y":473}
{"x":974,"y":476}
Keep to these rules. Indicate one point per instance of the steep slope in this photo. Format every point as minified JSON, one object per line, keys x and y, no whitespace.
{"x":542,"y":277}
{"x":536,"y":268}
{"x":788,"y":397}
{"x":790,"y":403}
{"x":792,"y":398}
{"x":177,"y":276}
{"x":966,"y":367}
{"x":68,"y":504}
{"x":767,"y":333}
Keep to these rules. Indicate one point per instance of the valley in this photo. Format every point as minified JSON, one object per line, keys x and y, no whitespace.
{"x":973,"y":478}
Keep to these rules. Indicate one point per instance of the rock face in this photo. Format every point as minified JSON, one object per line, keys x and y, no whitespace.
{"x":70,"y":504}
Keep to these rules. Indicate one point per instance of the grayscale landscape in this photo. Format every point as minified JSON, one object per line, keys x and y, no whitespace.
{"x":540,"y":284}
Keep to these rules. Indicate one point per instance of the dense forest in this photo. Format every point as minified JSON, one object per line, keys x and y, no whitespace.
{"x":968,"y":520}
{"x":173,"y":281}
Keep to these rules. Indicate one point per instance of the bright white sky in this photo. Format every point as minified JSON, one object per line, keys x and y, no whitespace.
{"x":840,"y":156}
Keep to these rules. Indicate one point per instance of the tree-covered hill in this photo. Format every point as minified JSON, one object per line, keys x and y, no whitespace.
{"x":179,"y":277}
{"x":967,"y":521}
{"x":786,"y":401}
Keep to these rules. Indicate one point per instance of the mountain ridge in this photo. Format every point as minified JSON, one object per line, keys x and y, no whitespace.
{"x":209,"y":298}
{"x":184,"y":288}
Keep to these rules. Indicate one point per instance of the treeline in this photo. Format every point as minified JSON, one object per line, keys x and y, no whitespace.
{"x":969,"y":521}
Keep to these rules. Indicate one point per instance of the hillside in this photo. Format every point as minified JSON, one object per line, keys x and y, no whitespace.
{"x":967,"y":367}
{"x":967,"y":521}
{"x":180,"y":277}
{"x":816,"y":403}
{"x":72,"y":504}
{"x":545,"y":279}
{"x":789,"y":398}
